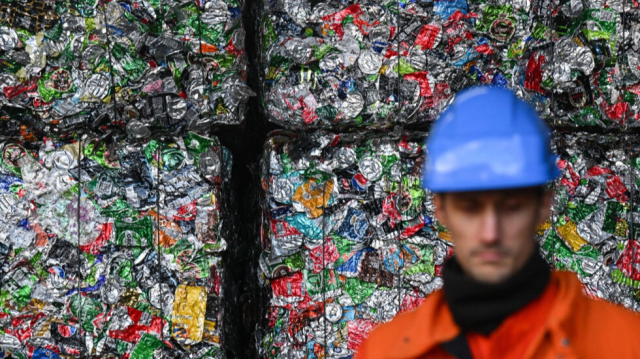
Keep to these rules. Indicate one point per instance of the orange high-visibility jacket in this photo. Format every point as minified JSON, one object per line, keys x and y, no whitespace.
{"x":561,"y":324}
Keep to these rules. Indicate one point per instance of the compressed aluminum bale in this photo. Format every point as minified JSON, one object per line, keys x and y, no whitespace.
{"x":374,"y":64}
{"x":113,"y":248}
{"x":589,"y":231}
{"x":349,"y":238}
{"x":129,"y":67}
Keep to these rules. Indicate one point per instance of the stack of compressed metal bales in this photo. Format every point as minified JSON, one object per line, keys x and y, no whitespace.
{"x":359,"y":67}
{"x":113,"y":192}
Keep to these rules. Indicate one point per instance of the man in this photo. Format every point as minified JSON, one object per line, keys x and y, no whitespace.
{"x":488,"y":162}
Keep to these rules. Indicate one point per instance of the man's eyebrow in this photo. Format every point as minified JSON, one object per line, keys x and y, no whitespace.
{"x":467,"y":199}
{"x":520,"y":193}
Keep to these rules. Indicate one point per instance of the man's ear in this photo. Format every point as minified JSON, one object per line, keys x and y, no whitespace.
{"x":438,"y":202}
{"x":544,"y":211}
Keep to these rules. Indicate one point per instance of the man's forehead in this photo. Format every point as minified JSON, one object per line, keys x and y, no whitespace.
{"x":493,"y":194}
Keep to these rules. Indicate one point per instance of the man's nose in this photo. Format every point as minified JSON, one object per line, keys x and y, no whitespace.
{"x":490,"y":227}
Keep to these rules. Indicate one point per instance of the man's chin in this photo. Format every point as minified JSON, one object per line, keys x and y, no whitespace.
{"x":490,"y":275}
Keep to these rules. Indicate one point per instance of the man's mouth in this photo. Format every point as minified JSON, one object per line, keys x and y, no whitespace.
{"x":490,"y":256}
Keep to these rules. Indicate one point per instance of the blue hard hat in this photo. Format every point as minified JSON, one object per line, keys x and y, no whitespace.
{"x":488,"y":139}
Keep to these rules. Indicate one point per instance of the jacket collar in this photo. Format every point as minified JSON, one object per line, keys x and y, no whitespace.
{"x":569,"y":288}
{"x":433,"y":323}
{"x":561,"y":324}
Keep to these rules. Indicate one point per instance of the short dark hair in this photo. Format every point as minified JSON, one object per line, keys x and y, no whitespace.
{"x":538,"y":190}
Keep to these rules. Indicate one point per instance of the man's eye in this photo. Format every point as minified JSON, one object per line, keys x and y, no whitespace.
{"x":469,"y":207}
{"x":512,"y":206}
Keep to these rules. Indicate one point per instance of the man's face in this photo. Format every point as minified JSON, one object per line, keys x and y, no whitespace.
{"x":493,"y":231}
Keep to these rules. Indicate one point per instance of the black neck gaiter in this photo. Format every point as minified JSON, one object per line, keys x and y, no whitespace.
{"x":481,"y":307}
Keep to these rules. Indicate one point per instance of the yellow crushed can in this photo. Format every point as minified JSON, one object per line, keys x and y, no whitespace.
{"x":189,"y":307}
